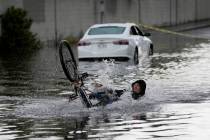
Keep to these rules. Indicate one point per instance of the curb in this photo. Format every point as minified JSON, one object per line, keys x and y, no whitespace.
{"x":189,"y":26}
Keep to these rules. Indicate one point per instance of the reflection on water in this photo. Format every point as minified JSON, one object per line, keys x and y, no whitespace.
{"x":33,"y":90}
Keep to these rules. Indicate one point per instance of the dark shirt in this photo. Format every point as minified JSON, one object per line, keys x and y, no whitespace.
{"x":106,"y":95}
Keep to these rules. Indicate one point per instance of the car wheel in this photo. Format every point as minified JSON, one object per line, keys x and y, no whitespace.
{"x":136,"y":57}
{"x":151,"y":49}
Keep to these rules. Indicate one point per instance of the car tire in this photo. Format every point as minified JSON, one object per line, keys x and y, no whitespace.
{"x":136,"y":57}
{"x":151,"y":49}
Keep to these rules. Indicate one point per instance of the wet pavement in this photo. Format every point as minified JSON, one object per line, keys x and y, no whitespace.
{"x":34,"y":103}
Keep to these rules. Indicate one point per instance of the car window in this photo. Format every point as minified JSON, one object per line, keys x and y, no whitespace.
{"x":133,"y":31}
{"x":139,"y":31}
{"x":106,"y":30}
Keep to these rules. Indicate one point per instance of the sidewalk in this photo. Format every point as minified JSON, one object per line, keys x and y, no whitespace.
{"x":189,"y":26}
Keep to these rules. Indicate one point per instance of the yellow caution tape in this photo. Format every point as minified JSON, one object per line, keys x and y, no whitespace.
{"x":166,"y":31}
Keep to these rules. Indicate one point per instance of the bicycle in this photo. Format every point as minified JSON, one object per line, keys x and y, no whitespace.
{"x":69,"y":65}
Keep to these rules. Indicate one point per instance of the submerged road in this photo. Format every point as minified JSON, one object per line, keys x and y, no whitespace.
{"x":33,"y":102}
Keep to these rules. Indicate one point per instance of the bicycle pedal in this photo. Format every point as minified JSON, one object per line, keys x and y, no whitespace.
{"x":72,"y":97}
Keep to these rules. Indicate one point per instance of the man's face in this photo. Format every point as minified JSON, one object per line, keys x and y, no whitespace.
{"x":136,"y":88}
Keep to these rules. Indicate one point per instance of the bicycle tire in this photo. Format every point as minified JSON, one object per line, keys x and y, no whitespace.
{"x":68,"y":61}
{"x":83,"y":96}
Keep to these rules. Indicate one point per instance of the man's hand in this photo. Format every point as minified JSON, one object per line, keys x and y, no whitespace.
{"x":77,"y":84}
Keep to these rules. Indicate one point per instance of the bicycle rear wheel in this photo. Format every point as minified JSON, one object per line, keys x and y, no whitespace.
{"x":68,"y":61}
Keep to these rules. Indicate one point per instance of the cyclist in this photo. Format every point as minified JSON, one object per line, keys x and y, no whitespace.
{"x":106,"y":95}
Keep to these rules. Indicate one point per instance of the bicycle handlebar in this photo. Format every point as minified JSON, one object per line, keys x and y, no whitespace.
{"x":83,"y":76}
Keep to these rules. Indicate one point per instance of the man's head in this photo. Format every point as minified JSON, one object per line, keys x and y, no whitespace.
{"x":138,"y":89}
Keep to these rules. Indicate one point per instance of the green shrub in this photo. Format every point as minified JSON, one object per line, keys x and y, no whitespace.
{"x":72,"y":40}
{"x":16,"y":34}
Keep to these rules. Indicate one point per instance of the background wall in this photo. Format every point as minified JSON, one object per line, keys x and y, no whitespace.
{"x":60,"y":18}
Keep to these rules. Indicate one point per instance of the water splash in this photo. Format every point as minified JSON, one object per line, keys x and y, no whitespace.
{"x":105,"y":73}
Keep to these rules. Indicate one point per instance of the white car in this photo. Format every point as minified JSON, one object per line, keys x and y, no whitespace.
{"x":114,"y":40}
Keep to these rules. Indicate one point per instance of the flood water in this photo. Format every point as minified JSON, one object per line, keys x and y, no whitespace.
{"x":34,"y":95}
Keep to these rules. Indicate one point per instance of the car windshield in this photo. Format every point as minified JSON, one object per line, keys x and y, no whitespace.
{"x":106,"y":30}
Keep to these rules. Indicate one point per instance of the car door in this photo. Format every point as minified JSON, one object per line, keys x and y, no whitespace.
{"x":140,"y":36}
{"x":134,"y":39}
{"x":135,"y":36}
{"x":142,"y":41}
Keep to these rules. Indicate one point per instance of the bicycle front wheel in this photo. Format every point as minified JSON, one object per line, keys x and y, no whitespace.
{"x":68,"y":61}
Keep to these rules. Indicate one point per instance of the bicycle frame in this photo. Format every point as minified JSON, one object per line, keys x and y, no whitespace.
{"x":81,"y":92}
{"x":83,"y":96}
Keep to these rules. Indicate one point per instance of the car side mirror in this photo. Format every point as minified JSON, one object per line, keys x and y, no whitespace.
{"x":147,"y":34}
